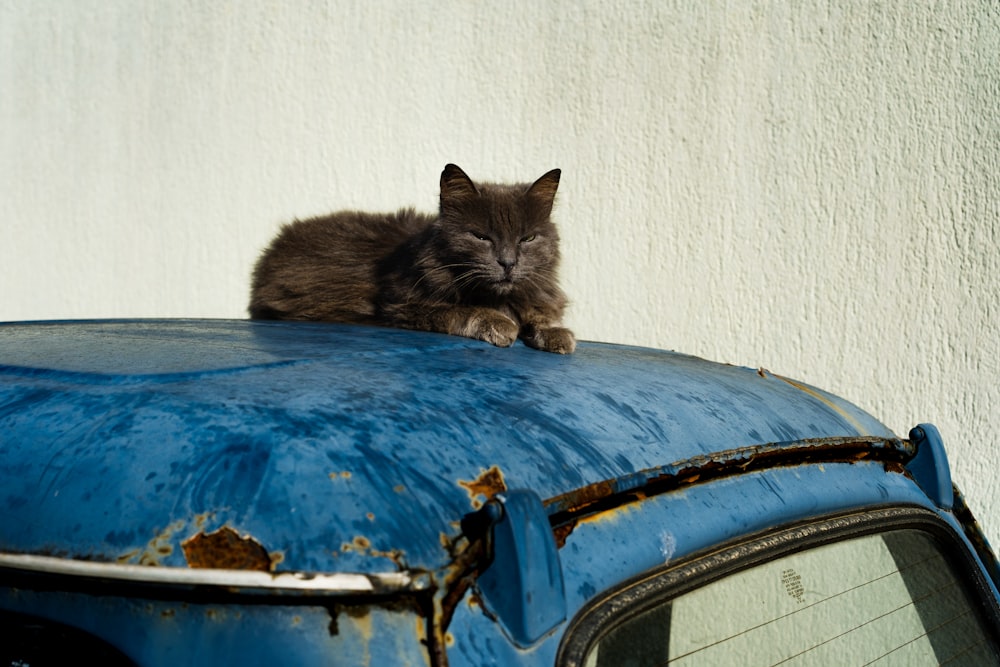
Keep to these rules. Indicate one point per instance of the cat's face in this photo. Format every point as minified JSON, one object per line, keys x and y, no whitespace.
{"x":498,"y":238}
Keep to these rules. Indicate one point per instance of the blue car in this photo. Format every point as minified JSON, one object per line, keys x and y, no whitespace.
{"x":190,"y":492}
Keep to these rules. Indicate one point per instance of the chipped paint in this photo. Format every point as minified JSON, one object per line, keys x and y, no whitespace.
{"x":466,"y":561}
{"x":489,"y":483}
{"x":358,"y":544}
{"x":604,"y":500}
{"x":975,"y":534}
{"x":363,"y":546}
{"x":156,"y":549}
{"x":592,"y":493}
{"x":226,"y":549}
{"x":561,"y":532}
{"x":200,"y":520}
{"x":668,"y":546}
{"x":613,"y":409}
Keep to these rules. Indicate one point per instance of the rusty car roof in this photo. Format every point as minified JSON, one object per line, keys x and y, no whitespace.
{"x":333,"y":448}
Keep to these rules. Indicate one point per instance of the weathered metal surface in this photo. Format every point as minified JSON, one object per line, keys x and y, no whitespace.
{"x":488,"y":484}
{"x":166,"y":633}
{"x":307,"y":482}
{"x":890,"y":451}
{"x":974,"y":533}
{"x":611,"y":545}
{"x":226,"y":549}
{"x":308,"y":437}
{"x":522,"y":584}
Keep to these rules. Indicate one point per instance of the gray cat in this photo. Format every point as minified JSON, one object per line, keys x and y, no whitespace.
{"x":484,"y":267}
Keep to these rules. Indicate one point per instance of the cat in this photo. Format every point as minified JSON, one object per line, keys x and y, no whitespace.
{"x":485,"y":267}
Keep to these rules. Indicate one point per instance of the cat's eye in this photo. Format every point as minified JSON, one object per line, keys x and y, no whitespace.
{"x":529,"y":238}
{"x":481,"y":237}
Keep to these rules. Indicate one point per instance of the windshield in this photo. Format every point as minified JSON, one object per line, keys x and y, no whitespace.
{"x":885,"y":599}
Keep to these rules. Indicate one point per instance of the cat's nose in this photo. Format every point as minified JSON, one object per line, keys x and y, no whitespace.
{"x":506,"y":263}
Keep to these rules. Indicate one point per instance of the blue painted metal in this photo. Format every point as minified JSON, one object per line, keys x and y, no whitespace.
{"x":523,"y":585}
{"x":339,"y":449}
{"x":178,"y":632}
{"x":634,"y":538}
{"x":930,"y":465}
{"x":333,"y":446}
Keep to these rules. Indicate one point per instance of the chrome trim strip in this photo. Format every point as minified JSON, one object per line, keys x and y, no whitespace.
{"x":294,"y":583}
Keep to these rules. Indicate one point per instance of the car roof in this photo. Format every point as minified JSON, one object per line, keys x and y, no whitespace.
{"x":341,"y":448}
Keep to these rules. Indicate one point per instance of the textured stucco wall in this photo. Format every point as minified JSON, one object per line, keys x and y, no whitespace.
{"x":808,"y":186}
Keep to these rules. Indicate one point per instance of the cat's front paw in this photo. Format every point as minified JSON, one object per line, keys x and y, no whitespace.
{"x":550,"y":339}
{"x":492,"y":327}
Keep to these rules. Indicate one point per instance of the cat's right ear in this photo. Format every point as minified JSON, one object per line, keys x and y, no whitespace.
{"x":455,"y":185}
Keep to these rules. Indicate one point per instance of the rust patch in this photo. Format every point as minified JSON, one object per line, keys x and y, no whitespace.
{"x":156,"y":549}
{"x":567,"y":510}
{"x":489,"y":483}
{"x":201,"y":519}
{"x":358,"y":544}
{"x":561,"y":533}
{"x":225,"y":549}
{"x":362,"y":545}
{"x":475,"y":600}
{"x":588,"y":495}
{"x":461,"y":575}
{"x":894,"y":466}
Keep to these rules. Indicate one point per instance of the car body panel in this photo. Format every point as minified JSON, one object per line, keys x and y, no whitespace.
{"x":265,"y":427}
{"x":308,"y":482}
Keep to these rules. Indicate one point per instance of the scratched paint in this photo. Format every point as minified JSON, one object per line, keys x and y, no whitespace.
{"x":257,"y":424}
{"x":316,"y":449}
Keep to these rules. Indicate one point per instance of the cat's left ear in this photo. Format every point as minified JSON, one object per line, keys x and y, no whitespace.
{"x":543,"y":191}
{"x":455,"y":185}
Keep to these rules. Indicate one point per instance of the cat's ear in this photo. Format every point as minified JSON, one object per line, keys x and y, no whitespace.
{"x":542,"y":192}
{"x":455,"y":185}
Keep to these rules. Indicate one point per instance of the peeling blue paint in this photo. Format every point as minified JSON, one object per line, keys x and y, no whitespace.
{"x":341,"y":449}
{"x":247,"y":420}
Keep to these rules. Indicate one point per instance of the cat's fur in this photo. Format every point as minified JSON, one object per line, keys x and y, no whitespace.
{"x":484,"y":267}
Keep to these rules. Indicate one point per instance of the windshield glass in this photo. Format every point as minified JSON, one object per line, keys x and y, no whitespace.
{"x":885,"y":599}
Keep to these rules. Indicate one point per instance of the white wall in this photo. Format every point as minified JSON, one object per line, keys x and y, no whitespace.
{"x":808,"y":186}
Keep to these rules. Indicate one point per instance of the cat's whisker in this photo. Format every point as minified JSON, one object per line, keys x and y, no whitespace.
{"x":428,"y":270}
{"x":442,"y":294}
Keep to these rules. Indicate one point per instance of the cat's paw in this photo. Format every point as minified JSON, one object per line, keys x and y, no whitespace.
{"x":550,"y":339}
{"x":492,"y":327}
